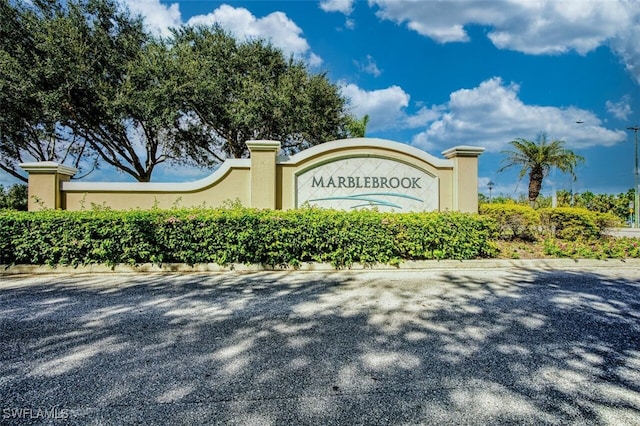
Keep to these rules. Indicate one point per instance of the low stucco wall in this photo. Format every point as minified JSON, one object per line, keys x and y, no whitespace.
{"x":268,"y":181}
{"x":229,"y":183}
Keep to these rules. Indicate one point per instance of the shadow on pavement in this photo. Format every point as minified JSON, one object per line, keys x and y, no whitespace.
{"x":474,"y":347}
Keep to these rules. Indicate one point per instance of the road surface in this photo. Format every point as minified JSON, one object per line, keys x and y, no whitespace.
{"x":472,"y":346}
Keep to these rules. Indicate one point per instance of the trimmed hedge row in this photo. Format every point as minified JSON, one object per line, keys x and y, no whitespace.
{"x":565,"y":223}
{"x":225,"y":236}
{"x":513,"y":221}
{"x":568,"y":223}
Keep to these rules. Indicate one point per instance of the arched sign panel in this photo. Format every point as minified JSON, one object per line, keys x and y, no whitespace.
{"x":367,"y":182}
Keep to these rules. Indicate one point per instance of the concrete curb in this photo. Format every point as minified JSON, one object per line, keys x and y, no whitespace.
{"x":535,"y":264}
{"x":623,"y":232}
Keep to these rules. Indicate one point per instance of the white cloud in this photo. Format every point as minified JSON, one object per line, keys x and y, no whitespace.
{"x":528,"y":26}
{"x":441,"y":21}
{"x":557,"y":27}
{"x":423,"y":117}
{"x":275,"y":27}
{"x":314,"y":60}
{"x":342,"y":6}
{"x":159,"y":18}
{"x":492,"y":114}
{"x":626,"y":45}
{"x":385,"y":107}
{"x":369,"y":66}
{"x":621,"y":109}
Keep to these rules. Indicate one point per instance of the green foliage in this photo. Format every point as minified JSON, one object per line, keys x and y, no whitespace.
{"x":240,"y":235}
{"x":603,"y":248}
{"x":522,"y":200}
{"x":357,"y":128}
{"x":121,"y":102}
{"x":617,"y":205}
{"x":83,"y":82}
{"x":242,"y":90}
{"x":513,"y":221}
{"x":61,"y":238}
{"x":567,"y":223}
{"x":37,"y":75}
{"x":69,"y":74}
{"x":14,"y":198}
{"x":537,"y":158}
{"x":564,"y":232}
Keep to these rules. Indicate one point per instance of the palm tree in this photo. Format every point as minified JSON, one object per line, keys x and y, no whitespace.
{"x":538,"y":158}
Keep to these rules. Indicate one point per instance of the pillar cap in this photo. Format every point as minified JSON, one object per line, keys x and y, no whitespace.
{"x":463,"y":151}
{"x":263,"y":145}
{"x":48,"y":167}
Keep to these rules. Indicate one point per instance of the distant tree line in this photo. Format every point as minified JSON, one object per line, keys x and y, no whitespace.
{"x":14,"y":197}
{"x":83,"y":82}
{"x":602,"y":203}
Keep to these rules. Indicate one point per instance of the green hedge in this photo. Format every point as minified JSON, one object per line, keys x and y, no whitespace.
{"x":603,"y":248}
{"x":513,"y":221}
{"x":225,"y":236}
{"x":518,"y":222}
{"x":568,"y":223}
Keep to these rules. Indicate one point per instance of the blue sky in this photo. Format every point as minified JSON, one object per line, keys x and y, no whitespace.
{"x":435,"y":74}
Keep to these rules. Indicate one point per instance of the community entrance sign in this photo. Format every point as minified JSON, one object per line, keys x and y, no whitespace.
{"x":359,"y":182}
{"x":346,"y":174}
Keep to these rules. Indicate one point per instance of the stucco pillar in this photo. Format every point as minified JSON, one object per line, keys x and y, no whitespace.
{"x":44,"y":183}
{"x":465,"y":177}
{"x":263,"y":173}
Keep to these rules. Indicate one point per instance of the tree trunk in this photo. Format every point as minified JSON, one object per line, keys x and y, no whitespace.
{"x":535,"y":184}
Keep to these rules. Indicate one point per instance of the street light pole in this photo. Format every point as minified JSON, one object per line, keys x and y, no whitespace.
{"x":635,"y":189}
{"x":490,"y":185}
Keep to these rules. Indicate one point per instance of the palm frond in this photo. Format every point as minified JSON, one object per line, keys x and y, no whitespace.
{"x":540,"y":155}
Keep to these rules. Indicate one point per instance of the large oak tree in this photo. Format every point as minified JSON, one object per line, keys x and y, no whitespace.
{"x":243,"y":90}
{"x":36,"y":81}
{"x":82,"y":82}
{"x":123,"y":106}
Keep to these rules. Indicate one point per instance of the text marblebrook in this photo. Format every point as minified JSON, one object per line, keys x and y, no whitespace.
{"x":365,"y":182}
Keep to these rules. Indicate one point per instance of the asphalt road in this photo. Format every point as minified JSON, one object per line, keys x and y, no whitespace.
{"x":486,"y":346}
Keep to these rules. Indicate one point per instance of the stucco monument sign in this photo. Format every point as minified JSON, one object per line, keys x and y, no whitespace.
{"x":357,"y":182}
{"x":346,"y":174}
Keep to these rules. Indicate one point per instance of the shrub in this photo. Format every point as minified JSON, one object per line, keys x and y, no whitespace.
{"x":568,"y":223}
{"x":513,"y":221}
{"x":58,"y":237}
{"x":240,"y":235}
{"x":604,"y":248}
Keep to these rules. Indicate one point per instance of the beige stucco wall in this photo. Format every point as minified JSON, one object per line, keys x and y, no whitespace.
{"x":45,"y":179}
{"x":263,"y":181}
{"x":263,"y":186}
{"x":230,"y":184}
{"x":464,"y":178}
